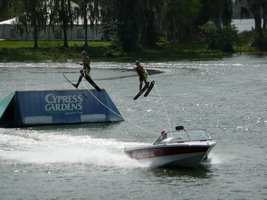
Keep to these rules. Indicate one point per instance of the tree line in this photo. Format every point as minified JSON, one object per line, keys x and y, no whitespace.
{"x":129,"y":23}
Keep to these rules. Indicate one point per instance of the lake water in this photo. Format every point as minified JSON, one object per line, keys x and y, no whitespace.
{"x":227,"y":97}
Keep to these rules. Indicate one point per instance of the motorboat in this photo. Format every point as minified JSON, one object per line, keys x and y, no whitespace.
{"x":179,"y":148}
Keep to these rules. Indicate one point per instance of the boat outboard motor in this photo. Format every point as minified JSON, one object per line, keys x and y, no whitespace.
{"x":179,"y":128}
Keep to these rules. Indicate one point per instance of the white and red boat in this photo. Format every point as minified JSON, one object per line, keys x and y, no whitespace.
{"x":180,"y":148}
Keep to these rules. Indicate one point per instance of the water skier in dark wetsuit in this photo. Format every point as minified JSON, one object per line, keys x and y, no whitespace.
{"x":85,"y":72}
{"x":142,"y":73}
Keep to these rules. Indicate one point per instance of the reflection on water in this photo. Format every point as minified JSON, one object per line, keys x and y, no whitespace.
{"x":200,"y":172}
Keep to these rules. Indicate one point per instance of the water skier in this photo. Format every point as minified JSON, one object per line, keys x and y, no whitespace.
{"x":142,"y":73}
{"x":85,"y":72}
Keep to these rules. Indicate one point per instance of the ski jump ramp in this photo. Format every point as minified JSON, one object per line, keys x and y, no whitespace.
{"x":50,"y":107}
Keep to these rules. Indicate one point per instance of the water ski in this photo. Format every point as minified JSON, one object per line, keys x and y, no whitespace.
{"x":88,"y":79}
{"x":68,"y":80}
{"x":92,"y":83}
{"x":141,"y":92}
{"x":151,"y":85}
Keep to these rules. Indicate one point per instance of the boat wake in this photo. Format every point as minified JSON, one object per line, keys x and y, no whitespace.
{"x":212,"y":160}
{"x":45,"y":148}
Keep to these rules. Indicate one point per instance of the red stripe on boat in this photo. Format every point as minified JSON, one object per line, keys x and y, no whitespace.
{"x":167,"y":151}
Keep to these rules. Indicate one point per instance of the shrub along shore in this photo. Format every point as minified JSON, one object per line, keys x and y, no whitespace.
{"x":14,"y":51}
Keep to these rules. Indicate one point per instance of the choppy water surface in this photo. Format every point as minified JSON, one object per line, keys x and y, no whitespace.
{"x":227,"y":97}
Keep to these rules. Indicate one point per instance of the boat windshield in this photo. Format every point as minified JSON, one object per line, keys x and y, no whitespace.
{"x":182,"y":136}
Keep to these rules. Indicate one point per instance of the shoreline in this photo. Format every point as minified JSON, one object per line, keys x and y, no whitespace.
{"x":21,"y":51}
{"x":69,"y":55}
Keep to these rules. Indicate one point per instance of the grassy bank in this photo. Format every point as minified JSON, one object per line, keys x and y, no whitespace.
{"x":104,"y":51}
{"x":51,"y":50}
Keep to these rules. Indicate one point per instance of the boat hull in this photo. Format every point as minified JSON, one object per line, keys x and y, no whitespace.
{"x":172,"y":155}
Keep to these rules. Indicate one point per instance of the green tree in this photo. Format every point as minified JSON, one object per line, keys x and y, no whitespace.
{"x":178,"y":19}
{"x":5,"y":9}
{"x":219,"y":11}
{"x":90,"y":12}
{"x":61,"y":14}
{"x":132,"y":22}
{"x":128,"y":27}
{"x":64,"y":16}
{"x":219,"y":38}
{"x":110,"y":20}
{"x":33,"y":18}
{"x":259,"y":10}
{"x":149,"y":15}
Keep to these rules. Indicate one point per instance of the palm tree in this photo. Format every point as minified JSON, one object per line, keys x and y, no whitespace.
{"x":149,"y":21}
{"x":178,"y":19}
{"x":90,"y":12}
{"x":63,"y":14}
{"x":3,"y":9}
{"x":259,"y":10}
{"x":255,"y":7}
{"x":219,"y":11}
{"x":131,"y":21}
{"x":34,"y":17}
{"x":6,"y":8}
{"x":109,"y":18}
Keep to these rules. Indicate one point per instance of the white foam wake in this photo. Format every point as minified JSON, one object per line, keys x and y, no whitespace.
{"x":41,"y":148}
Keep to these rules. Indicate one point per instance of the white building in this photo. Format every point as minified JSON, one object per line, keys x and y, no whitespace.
{"x":8,"y":32}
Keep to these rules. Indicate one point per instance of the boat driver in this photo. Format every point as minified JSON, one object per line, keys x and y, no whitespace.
{"x":163,"y":134}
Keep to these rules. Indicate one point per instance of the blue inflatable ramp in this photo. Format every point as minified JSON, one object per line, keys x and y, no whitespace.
{"x":30,"y":108}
